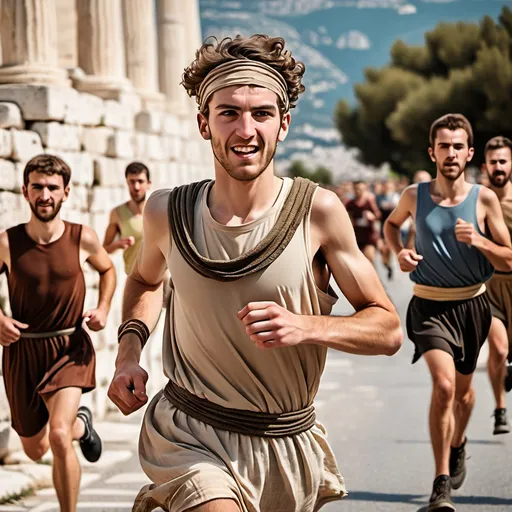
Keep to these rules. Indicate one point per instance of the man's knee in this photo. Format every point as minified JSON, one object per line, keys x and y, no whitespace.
{"x":465,"y":397}
{"x":498,"y":352}
{"x":35,"y":450}
{"x":61,"y":439}
{"x":444,"y":391}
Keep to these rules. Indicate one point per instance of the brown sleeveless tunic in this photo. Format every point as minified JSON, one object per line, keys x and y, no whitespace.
{"x":46,"y":282}
{"x":47,"y":292}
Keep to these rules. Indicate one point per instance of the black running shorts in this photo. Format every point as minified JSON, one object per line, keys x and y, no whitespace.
{"x":458,"y":327}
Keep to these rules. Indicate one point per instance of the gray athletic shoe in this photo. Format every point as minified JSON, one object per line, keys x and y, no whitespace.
{"x":458,"y":465}
{"x":501,"y":425}
{"x":440,"y":499}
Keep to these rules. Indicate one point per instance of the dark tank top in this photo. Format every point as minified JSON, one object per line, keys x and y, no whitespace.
{"x":447,"y":263}
{"x":46,"y":281}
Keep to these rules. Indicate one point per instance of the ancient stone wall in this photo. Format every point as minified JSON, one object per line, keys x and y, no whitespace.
{"x":97,"y":97}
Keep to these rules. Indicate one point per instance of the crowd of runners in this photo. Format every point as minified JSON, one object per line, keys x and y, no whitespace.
{"x":248,"y":309}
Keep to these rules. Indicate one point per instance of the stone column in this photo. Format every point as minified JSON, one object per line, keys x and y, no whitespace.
{"x":192,"y":22}
{"x":140,"y":37}
{"x":173,"y":54}
{"x":101,"y":53}
{"x":67,"y":34}
{"x":29,"y":43}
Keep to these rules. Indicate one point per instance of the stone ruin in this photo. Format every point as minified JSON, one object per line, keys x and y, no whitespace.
{"x":96,"y":82}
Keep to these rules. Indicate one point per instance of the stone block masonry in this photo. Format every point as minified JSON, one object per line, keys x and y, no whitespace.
{"x":97,"y":138}
{"x":96,"y":82}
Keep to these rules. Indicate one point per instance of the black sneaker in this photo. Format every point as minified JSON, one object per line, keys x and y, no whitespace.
{"x":458,"y":465}
{"x":501,"y":425}
{"x":90,"y":442}
{"x":440,"y":499}
{"x":508,"y":378}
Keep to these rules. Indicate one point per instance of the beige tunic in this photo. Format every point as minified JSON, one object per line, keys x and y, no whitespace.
{"x":207,"y":351}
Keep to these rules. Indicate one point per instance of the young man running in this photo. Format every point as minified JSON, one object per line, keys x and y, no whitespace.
{"x":48,"y":358}
{"x":250,"y":255}
{"x":364,"y":213}
{"x":449,"y":317}
{"x":126,"y":219}
{"x":498,"y":168}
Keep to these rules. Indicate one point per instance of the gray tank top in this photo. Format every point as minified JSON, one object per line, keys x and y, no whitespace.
{"x":447,"y":263}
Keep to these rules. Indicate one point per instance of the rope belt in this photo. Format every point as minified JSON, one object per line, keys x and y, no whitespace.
{"x":51,"y":334}
{"x":441,"y":294}
{"x":249,"y":423}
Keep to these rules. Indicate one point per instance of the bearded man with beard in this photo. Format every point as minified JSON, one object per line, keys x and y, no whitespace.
{"x":48,"y":358}
{"x":248,"y":324}
{"x":449,"y":316}
{"x":124,"y":230}
{"x":498,"y":168}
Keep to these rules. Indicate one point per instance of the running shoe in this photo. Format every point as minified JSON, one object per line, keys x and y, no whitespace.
{"x":440,"y":499}
{"x":501,"y":425}
{"x":90,"y":442}
{"x":458,"y":465}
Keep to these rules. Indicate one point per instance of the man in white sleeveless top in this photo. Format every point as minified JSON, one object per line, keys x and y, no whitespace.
{"x":248,"y":326}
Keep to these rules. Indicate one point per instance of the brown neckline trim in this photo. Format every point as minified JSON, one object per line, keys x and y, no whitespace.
{"x":182,"y":201}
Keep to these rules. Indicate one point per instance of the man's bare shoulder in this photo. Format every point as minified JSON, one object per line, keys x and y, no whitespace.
{"x":4,"y":241}
{"x":488,"y":196}
{"x":329,"y":217}
{"x":157,"y":204}
{"x":325,"y":204}
{"x":156,"y":218}
{"x":410,"y":191}
{"x":89,"y":239}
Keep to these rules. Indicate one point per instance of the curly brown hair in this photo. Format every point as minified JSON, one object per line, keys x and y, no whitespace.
{"x":259,"y":47}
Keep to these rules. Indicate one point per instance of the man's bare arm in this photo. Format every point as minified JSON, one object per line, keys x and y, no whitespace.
{"x":109,"y":242}
{"x":404,"y":209}
{"x":97,"y":257}
{"x":142,"y":300}
{"x":374,"y":328}
{"x":407,"y":257}
{"x":9,"y":327}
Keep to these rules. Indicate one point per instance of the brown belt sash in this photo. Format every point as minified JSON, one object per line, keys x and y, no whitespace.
{"x":240,"y":421}
{"x":51,"y":334}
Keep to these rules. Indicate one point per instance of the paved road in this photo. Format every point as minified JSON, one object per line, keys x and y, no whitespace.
{"x":375,"y":410}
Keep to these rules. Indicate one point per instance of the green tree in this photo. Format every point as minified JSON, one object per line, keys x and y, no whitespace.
{"x":463,"y":67}
{"x":320,"y":175}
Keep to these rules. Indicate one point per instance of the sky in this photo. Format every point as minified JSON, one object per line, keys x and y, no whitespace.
{"x":337,"y":40}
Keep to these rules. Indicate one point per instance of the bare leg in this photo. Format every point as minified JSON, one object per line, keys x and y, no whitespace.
{"x":441,"y":419}
{"x":463,"y":406}
{"x":36,"y":446}
{"x":385,"y":253}
{"x":369,"y":251}
{"x":497,"y":362}
{"x":221,"y":505}
{"x":64,"y":428}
